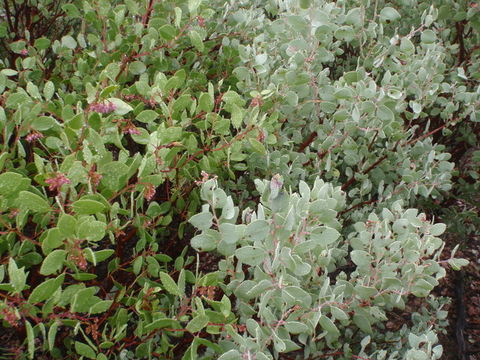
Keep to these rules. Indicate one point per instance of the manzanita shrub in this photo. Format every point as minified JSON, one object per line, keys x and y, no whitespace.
{"x":228,"y":179}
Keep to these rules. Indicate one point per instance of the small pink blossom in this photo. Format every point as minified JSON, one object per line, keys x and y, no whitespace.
{"x":24,"y":52}
{"x":96,"y":177}
{"x":76,"y":255}
{"x":57,"y":182}
{"x":131,"y":129}
{"x":205,"y":177}
{"x":103,"y":108}
{"x":149,"y":192}
{"x":201,"y":21}
{"x":8,"y":314}
{"x":34,"y":135}
{"x":256,"y":101}
{"x":13,"y":213}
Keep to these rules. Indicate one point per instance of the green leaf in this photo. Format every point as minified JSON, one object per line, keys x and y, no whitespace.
{"x":167,"y":32}
{"x":197,"y":323}
{"x":147,"y":116}
{"x":30,"y":339}
{"x":122,"y":107}
{"x":226,"y":306}
{"x":205,"y":103}
{"x":407,"y":46}
{"x":52,"y":333}
{"x":229,"y":233}
{"x":362,"y":322}
{"x":53,"y":262}
{"x":42,"y":43}
{"x":259,"y":288}
{"x":43,"y":123}
{"x":257,"y":146}
{"x":361,"y":258}
{"x":428,"y":37}
{"x":45,"y":290}
{"x":338,"y":313}
{"x":9,"y":181}
{"x":17,"y":99}
{"x":17,"y":276}
{"x":233,"y":98}
{"x":69,"y":42}
{"x":384,"y":113}
{"x":178,"y":16}
{"x":329,"y":326}
{"x":296,"y":327}
{"x":162,"y":323}
{"x":112,"y":70}
{"x":298,"y":23}
{"x":231,"y":355}
{"x":91,"y":230}
{"x":9,"y":72}
{"x":53,"y":240}
{"x":437,"y":229}
{"x":416,"y":107}
{"x":251,"y":255}
{"x":84,"y":276}
{"x":169,"y":284}
{"x":228,"y":210}
{"x":304,"y":4}
{"x":257,"y":230}
{"x":204,"y":242}
{"x":137,"y":68}
{"x":103,"y":255}
{"x":389,"y":14}
{"x":365,"y":292}
{"x":18,"y":46}
{"x":421,"y":288}
{"x":87,"y":207}
{"x":237,"y":115}
{"x":293,"y":295}
{"x":326,"y":237}
{"x":113,"y":173}
{"x":67,"y":225}
{"x":193,"y":6}
{"x":292,"y":98}
{"x":196,"y":40}
{"x":48,"y":90}
{"x":345,"y":33}
{"x":457,"y":263}
{"x":85,"y":350}
{"x":100,"y":306}
{"x":71,"y":10}
{"x":32,"y":202}
{"x":202,"y":221}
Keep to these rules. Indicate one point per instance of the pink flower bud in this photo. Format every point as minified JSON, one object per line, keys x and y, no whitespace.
{"x":35,"y":135}
{"x":57,"y":182}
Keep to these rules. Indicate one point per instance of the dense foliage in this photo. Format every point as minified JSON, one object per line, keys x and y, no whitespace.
{"x":231,"y":179}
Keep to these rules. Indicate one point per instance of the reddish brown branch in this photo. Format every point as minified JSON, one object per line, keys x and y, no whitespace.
{"x":459,"y":25}
{"x":308,"y":141}
{"x":427,"y":134}
{"x":148,"y":13}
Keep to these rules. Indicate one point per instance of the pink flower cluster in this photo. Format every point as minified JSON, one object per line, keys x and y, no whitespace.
{"x":35,"y":135}
{"x":149,"y":192}
{"x":8,"y":314}
{"x":103,"y":108}
{"x":76,"y":255}
{"x":131,"y":129}
{"x":57,"y":182}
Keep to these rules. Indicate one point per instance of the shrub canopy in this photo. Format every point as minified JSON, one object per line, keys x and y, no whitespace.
{"x":229,"y":179}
